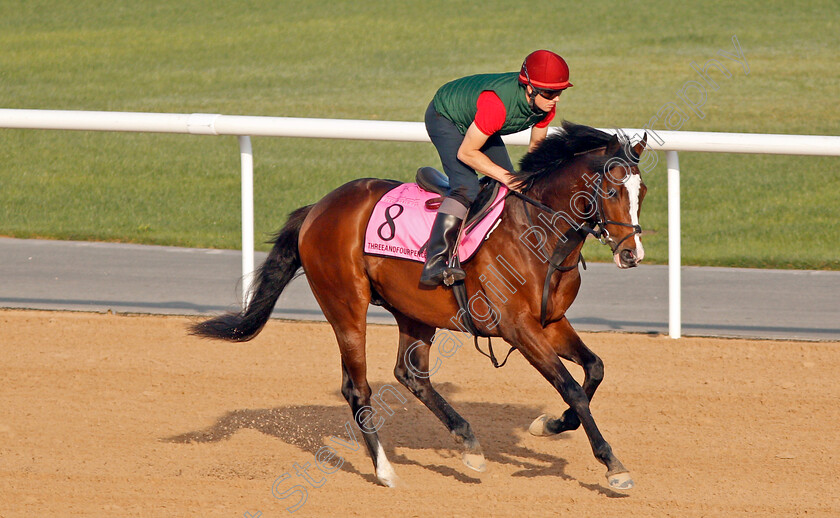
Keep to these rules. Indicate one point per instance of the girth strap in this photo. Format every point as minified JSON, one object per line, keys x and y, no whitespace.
{"x":459,"y":289}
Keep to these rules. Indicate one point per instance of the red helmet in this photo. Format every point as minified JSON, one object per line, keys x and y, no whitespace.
{"x":545,"y":70}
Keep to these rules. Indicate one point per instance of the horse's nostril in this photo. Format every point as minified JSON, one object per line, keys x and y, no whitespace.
{"x":627,"y":255}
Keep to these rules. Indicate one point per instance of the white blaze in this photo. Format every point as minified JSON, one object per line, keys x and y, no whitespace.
{"x":634,"y":188}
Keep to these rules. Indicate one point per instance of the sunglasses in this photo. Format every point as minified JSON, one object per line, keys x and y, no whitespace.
{"x":549,"y":94}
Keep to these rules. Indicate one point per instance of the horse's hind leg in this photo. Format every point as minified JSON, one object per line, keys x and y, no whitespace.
{"x":573,"y":349}
{"x":346,"y":310}
{"x":357,"y":392}
{"x":412,"y":370}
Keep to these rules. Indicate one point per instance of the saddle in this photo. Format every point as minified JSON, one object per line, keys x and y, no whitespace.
{"x":431,"y":180}
{"x":400,"y":221}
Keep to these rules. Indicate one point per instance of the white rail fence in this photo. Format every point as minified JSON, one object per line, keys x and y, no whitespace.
{"x":245,"y":127}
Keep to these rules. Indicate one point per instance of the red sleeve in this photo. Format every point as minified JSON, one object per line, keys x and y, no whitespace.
{"x":490,"y":114}
{"x":548,"y":118}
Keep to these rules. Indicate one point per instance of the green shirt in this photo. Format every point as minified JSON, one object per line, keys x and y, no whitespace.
{"x":457,"y":100}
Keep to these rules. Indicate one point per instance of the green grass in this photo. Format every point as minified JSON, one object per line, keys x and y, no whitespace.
{"x":378,"y":60}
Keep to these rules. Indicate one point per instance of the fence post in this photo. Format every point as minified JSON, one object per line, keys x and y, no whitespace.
{"x":247,"y":158}
{"x":674,"y":259}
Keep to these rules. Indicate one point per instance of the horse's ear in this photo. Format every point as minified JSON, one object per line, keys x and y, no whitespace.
{"x":612,"y":146}
{"x":638,"y":148}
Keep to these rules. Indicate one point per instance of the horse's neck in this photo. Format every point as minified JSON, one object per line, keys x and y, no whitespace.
{"x":558,"y":190}
{"x":537,"y":228}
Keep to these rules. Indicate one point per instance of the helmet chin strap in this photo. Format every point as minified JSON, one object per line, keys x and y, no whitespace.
{"x":532,"y":100}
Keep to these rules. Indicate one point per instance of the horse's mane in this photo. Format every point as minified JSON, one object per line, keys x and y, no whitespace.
{"x":559,"y":148}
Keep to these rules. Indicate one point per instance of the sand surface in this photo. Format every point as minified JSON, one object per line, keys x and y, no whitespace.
{"x":115,"y":415}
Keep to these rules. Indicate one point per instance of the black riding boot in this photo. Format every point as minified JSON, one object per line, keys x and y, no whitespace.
{"x":442,"y":241}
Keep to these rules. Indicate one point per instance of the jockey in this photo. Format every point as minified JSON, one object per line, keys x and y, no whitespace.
{"x":465,"y":121}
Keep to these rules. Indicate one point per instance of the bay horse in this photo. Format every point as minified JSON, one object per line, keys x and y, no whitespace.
{"x":574,"y":181}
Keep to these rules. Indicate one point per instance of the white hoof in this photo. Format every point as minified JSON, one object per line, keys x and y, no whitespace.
{"x":538,"y":426}
{"x":384,"y":471}
{"x":620,"y":481}
{"x":475,"y":461}
{"x":387,"y":477}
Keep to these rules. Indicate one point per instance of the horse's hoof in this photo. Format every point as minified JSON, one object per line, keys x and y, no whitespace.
{"x":387,"y":477}
{"x":620,"y":481}
{"x":475,"y":461}
{"x":388,"y":481}
{"x":538,"y":427}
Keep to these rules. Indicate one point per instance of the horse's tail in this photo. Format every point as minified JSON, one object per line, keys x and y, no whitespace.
{"x":271,"y":279}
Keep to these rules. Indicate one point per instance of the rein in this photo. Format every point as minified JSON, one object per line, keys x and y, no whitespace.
{"x":573,"y":237}
{"x":600,"y":233}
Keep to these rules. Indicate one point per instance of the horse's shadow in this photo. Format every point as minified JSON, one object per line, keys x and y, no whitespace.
{"x":411,"y":426}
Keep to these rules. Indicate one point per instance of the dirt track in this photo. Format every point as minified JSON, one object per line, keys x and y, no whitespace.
{"x":106,"y":415}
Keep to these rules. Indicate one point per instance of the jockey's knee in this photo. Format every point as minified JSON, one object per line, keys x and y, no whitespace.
{"x":464,"y":194}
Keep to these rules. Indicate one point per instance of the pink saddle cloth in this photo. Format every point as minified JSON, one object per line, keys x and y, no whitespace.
{"x":400,"y":224}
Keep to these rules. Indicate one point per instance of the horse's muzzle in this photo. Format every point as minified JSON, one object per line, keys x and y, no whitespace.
{"x":626,"y":258}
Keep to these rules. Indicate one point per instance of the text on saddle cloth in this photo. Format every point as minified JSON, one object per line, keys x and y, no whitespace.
{"x":400,"y":224}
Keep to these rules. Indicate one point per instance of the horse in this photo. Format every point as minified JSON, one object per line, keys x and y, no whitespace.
{"x":575,"y":181}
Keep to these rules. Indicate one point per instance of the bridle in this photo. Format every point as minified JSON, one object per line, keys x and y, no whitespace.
{"x":596,"y":225}
{"x":602,"y":234}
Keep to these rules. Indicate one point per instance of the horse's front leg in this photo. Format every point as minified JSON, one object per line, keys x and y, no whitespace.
{"x":573,"y":349}
{"x":535,"y":344}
